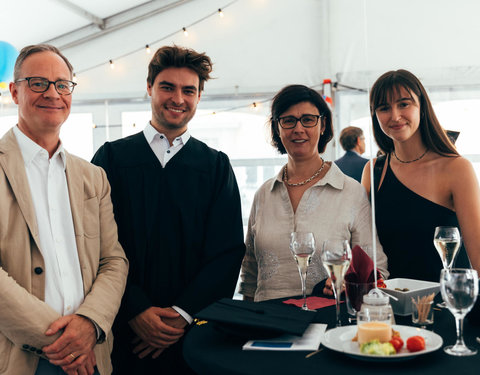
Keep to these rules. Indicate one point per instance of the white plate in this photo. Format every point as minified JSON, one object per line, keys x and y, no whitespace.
{"x":340,"y":340}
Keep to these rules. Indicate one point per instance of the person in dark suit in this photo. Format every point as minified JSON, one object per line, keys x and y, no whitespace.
{"x":177,"y":206}
{"x":353,"y":142}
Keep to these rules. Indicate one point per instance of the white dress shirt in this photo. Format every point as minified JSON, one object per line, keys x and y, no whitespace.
{"x":49,"y":190}
{"x":160,"y":145}
{"x":164,"y":152}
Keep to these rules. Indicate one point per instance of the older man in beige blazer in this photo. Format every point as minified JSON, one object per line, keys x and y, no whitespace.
{"x":48,"y":328}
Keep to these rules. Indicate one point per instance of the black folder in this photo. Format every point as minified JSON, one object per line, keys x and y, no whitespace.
{"x":256,"y":320}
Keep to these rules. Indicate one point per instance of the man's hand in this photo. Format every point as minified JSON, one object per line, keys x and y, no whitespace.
{"x":151,"y":328}
{"x":75,"y":344}
{"x":177,"y":322}
{"x":88,"y":368}
{"x":142,"y":349}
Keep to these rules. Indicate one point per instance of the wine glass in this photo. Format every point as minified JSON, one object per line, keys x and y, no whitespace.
{"x":447,"y":242}
{"x":336,"y":257}
{"x":302,"y":246}
{"x":459,"y":288}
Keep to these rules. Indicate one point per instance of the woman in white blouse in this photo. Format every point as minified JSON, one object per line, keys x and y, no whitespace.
{"x":308,"y":195}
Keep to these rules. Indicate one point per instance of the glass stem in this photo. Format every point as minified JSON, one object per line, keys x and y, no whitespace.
{"x":336,"y":293}
{"x":459,"y":326}
{"x":304,"y":290}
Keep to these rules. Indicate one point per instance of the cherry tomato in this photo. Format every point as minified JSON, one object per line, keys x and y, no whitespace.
{"x":415,"y":343}
{"x":397,"y":343}
{"x":381,"y":283}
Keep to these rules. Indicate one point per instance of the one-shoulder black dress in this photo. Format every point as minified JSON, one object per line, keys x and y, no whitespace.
{"x":406,"y":224}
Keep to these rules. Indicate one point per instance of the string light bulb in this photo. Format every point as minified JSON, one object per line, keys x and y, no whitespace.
{"x":220,"y":13}
{"x":74,"y":79}
{"x":147,"y":49}
{"x":255,"y":106}
{"x":112,"y":65}
{"x":185,"y":32}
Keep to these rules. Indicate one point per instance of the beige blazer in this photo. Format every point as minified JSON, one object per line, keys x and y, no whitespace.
{"x":24,"y":316}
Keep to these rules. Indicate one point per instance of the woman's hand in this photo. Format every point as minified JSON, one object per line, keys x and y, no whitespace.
{"x":328,"y":289}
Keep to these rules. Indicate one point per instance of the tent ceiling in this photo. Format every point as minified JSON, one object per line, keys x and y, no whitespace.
{"x":102,"y":26}
{"x":259,"y":45}
{"x":239,"y":43}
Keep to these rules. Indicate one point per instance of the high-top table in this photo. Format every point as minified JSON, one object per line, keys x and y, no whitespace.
{"x":209,"y":351}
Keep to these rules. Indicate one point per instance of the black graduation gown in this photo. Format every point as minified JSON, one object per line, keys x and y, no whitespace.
{"x":181,"y":229}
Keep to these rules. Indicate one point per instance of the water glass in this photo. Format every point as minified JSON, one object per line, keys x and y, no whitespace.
{"x":459,"y":288}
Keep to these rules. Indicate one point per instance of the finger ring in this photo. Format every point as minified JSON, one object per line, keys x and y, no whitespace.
{"x":73,"y":356}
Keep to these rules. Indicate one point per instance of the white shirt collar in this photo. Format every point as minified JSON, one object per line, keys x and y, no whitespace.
{"x":30,"y":149}
{"x":150,"y":133}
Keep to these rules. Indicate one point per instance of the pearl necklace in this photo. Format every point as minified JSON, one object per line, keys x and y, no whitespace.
{"x":409,"y":161}
{"x":285,"y":176}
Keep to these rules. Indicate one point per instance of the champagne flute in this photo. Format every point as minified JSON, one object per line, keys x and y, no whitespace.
{"x":302,"y":246}
{"x":447,"y":242}
{"x":336,"y":257}
{"x":459,"y":288}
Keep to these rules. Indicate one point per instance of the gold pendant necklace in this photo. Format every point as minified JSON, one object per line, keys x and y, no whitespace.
{"x":285,"y":176}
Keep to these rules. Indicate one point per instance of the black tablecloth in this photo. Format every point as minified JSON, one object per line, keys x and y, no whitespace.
{"x":209,"y":351}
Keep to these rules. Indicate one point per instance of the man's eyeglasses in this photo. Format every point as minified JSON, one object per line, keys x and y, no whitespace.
{"x":307,"y":121}
{"x":40,"y":84}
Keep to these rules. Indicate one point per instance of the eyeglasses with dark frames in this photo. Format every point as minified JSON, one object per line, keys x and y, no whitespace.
{"x":307,"y":121}
{"x":40,"y":84}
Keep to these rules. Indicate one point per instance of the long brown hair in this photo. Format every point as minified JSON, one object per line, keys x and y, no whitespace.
{"x":433,"y":135}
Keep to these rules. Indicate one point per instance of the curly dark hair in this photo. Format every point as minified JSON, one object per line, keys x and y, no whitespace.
{"x":433,"y":135}
{"x":294,"y":94}
{"x":180,"y":57}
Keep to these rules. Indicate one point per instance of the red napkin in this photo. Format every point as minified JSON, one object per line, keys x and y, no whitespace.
{"x":361,"y":267}
{"x":312,"y":302}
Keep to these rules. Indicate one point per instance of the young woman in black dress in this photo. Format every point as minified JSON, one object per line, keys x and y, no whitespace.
{"x":423,"y":183}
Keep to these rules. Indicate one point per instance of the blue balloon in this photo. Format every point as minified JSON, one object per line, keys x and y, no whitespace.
{"x":8,"y":55}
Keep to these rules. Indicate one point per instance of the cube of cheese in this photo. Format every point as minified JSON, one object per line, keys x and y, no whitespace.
{"x":374,"y":330}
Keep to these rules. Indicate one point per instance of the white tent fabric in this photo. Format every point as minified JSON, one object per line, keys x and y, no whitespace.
{"x":259,"y":45}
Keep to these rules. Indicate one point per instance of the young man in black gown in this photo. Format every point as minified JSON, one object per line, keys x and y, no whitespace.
{"x":177,"y":206}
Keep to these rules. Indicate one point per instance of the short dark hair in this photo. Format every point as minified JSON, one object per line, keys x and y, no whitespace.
{"x":433,"y":135}
{"x":180,"y":57}
{"x":37,"y":48}
{"x":349,"y":137}
{"x":294,"y":94}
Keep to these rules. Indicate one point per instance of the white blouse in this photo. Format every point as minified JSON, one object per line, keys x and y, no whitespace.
{"x":335,"y":208}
